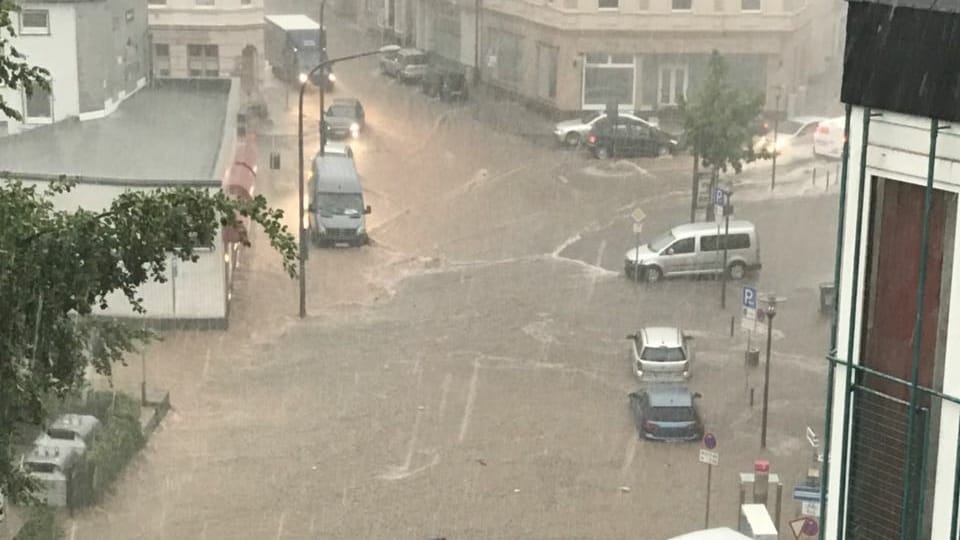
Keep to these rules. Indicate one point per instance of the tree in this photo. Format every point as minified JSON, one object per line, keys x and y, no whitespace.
{"x":717,"y":122}
{"x":58,"y":268}
{"x":15,"y":72}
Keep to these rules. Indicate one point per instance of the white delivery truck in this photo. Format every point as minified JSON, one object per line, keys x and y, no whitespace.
{"x":294,"y":45}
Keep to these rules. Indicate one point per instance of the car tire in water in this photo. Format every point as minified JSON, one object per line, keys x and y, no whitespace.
{"x":652,"y":274}
{"x":572,"y":139}
{"x":663,"y":151}
{"x":736,"y":271}
{"x":601,"y":152}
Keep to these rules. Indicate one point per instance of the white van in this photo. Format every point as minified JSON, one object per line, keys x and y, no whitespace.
{"x":696,"y":249}
{"x":337,"y":212}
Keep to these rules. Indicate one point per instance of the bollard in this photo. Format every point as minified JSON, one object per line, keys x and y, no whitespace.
{"x":733,"y":319}
{"x":827,"y":185}
{"x":813,"y":176}
{"x":751,"y":397}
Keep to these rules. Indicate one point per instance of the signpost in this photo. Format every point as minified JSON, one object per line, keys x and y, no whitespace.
{"x":711,"y":458}
{"x":638,"y":216}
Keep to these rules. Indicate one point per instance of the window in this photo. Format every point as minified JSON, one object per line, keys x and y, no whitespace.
{"x":681,"y":247}
{"x":673,"y":84}
{"x":609,"y":4}
{"x":504,"y":55}
{"x":547,"y":71}
{"x":161,"y":59}
{"x":38,"y":106}
{"x":204,"y":2}
{"x":35,"y":22}
{"x":157,"y":2}
{"x":608,"y":78}
{"x":749,"y":5}
{"x":244,"y":2}
{"x":734,"y":241}
{"x":203,"y":60}
{"x":682,"y":5}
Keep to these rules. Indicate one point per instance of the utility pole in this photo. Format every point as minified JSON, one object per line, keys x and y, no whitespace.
{"x":770,"y":312}
{"x":776,"y":122}
{"x":695,"y":191}
{"x":727,"y":210}
{"x":476,"y":41}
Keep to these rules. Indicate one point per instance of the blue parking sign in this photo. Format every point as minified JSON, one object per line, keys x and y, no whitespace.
{"x":749,"y":298}
{"x":718,"y":197}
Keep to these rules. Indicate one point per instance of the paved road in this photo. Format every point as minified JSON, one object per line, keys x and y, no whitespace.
{"x":465,"y":375}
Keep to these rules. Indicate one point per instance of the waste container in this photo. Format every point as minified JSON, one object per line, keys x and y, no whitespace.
{"x":752,"y":357}
{"x":828,"y":297}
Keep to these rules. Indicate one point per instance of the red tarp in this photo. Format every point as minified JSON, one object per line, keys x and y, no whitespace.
{"x":238,"y":181}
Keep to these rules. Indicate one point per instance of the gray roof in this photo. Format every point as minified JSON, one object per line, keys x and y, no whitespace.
{"x":170,"y":133}
{"x":335,"y":174}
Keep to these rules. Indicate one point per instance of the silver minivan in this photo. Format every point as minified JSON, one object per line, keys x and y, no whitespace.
{"x":696,"y":249}
{"x":337,"y":214}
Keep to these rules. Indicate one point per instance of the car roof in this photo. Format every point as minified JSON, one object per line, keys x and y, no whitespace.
{"x":669,"y":395}
{"x":409,"y":52}
{"x":51,"y":451}
{"x":335,"y":174}
{"x":662,"y":336}
{"x":690,"y":228}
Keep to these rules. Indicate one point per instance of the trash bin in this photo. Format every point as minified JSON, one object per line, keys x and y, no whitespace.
{"x":752,"y":357}
{"x":828,"y":297}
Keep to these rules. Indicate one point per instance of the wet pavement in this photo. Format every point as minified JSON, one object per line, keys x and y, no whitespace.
{"x":466,"y":374}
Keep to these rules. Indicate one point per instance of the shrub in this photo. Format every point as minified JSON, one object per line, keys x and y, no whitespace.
{"x":41,"y":524}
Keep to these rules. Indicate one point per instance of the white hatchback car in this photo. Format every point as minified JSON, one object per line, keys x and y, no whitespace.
{"x":660,"y":354}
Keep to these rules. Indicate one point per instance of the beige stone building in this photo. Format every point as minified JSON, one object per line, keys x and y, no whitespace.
{"x":207,"y":39}
{"x":571,"y":55}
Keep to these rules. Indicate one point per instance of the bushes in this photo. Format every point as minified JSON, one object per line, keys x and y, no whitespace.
{"x":117,"y":442}
{"x":41,"y":524}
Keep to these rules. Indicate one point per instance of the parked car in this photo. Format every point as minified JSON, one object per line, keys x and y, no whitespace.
{"x":791,"y":134}
{"x":50,"y":464}
{"x":575,"y":131}
{"x":406,"y":64}
{"x":696,"y":249}
{"x":667,"y":412}
{"x":828,"y":139}
{"x":344,"y":118}
{"x":660,"y":354}
{"x":629,"y":138}
{"x":75,"y":431}
{"x":447,"y":84}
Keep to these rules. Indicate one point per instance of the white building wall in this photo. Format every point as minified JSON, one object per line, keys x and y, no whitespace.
{"x":196,"y":291}
{"x":898,"y":149}
{"x":57,"y":52}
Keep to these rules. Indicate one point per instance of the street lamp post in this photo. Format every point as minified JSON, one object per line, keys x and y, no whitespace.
{"x":776,"y":122}
{"x":771,"y":312}
{"x":302,"y":255}
{"x":727,"y":210}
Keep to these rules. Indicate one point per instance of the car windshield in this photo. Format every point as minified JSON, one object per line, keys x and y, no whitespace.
{"x":789,"y":127}
{"x":61,"y":434}
{"x":40,"y":467}
{"x":587,"y":116}
{"x":342,"y":111}
{"x":339,"y":203}
{"x":672,"y":414}
{"x":661,"y":241}
{"x":663,"y":354}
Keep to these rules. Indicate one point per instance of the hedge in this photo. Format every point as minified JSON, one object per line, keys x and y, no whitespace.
{"x":41,"y":524}
{"x":113,"y":447}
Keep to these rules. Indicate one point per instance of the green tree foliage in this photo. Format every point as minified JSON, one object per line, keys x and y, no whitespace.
{"x":15,"y":72}
{"x":59,"y":267}
{"x":717,"y":121}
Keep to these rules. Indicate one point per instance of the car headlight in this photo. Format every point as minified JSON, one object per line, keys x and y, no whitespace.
{"x":354,"y":127}
{"x":332,"y":78}
{"x":302,"y":78}
{"x":361,"y":230}
{"x":321,"y":229}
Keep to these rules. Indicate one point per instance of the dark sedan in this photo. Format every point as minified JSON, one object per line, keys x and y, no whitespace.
{"x":666,"y":412}
{"x":344,"y":118}
{"x":629,"y":138}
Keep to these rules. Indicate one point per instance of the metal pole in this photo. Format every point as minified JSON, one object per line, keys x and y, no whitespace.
{"x":726,"y":235}
{"x":779,"y":506}
{"x":918,"y":328}
{"x":771,"y":312}
{"x":706,"y":519}
{"x":300,"y":236}
{"x":476,"y":42}
{"x":776,"y":124}
{"x":695,"y":189}
{"x":323,"y":42}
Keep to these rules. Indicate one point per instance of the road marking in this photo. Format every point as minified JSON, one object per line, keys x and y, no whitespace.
{"x":630,"y":453}
{"x":603,"y":247}
{"x":73,"y":530}
{"x":283,"y":517}
{"x":471,"y":397}
{"x":444,"y":390}
{"x":411,"y":446}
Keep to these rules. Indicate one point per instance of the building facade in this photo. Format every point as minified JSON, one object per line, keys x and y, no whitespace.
{"x":208,"y":39}
{"x":96,"y":51}
{"x":646,"y":55}
{"x":892,"y":453}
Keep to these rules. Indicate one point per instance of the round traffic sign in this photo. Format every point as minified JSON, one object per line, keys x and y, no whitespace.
{"x":709,"y":441}
{"x":810,"y":527}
